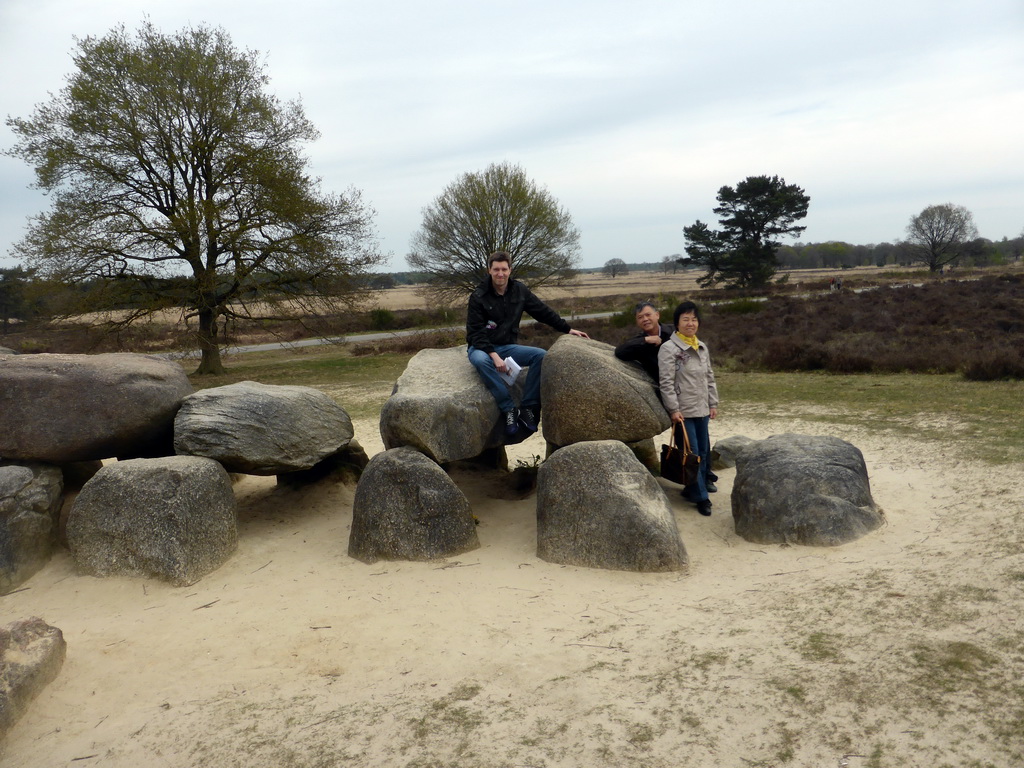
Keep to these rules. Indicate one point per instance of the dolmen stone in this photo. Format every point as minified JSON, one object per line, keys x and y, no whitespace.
{"x":30,"y":499}
{"x":588,"y":394}
{"x":31,"y":656}
{"x":406,"y":507}
{"x":725,"y":451}
{"x":7,"y":351}
{"x":441,"y":407}
{"x":261,"y":429}
{"x":171,"y":518}
{"x":599,"y":507}
{"x":64,"y":408}
{"x":803,"y":489}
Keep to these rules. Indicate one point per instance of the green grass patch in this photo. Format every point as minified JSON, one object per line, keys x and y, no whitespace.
{"x":932,"y":407}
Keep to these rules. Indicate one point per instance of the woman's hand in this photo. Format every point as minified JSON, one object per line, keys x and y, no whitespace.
{"x":677,"y":417}
{"x":714,"y":412}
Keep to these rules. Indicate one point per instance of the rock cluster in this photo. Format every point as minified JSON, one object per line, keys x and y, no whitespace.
{"x":606,"y":410}
{"x":166,"y":508}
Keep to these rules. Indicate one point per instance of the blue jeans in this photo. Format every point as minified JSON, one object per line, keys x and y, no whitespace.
{"x":700,"y":443}
{"x":531,"y":357}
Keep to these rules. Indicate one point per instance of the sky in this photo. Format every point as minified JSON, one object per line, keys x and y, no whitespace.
{"x":631,"y":114}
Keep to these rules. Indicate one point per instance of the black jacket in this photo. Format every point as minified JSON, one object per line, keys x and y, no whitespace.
{"x":492,"y":320}
{"x":636,"y":349}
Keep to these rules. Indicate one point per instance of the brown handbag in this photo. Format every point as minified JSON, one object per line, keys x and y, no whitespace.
{"x":678,"y":463}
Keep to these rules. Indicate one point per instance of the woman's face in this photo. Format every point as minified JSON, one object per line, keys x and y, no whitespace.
{"x":688,"y":324}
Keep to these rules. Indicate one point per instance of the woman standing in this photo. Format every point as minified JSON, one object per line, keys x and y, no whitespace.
{"x":688,"y":391}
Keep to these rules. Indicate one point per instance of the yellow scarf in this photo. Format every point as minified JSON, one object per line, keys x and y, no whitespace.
{"x":690,"y":341}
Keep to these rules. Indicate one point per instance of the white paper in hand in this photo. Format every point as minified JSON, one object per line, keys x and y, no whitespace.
{"x":512,"y":371}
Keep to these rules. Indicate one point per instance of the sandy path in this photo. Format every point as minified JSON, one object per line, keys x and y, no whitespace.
{"x":901,"y":649}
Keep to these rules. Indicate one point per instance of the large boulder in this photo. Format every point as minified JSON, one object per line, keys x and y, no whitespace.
{"x":803,"y":489}
{"x":30,"y":496}
{"x":407,"y":508}
{"x":599,"y":507}
{"x":31,"y":656}
{"x":589,"y":394}
{"x":261,"y":429}
{"x":64,"y":408}
{"x":441,"y":407}
{"x":171,"y":518}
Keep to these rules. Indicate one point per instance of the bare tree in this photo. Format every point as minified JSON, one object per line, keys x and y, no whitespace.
{"x":497,"y":209}
{"x":937,"y":236}
{"x":615,"y":267}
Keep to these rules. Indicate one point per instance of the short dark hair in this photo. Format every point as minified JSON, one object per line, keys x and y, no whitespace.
{"x":499,"y":256}
{"x":682,"y":309}
{"x":640,"y":307}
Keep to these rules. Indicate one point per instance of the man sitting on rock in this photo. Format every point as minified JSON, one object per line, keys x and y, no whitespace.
{"x":492,"y":329}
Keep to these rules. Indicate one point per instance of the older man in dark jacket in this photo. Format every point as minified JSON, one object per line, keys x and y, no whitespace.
{"x":643,"y":347}
{"x":492,"y":331}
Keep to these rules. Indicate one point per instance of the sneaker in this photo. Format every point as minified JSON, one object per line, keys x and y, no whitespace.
{"x":704,"y":507}
{"x":528,"y":419}
{"x":511,"y":424}
{"x":712,"y":488}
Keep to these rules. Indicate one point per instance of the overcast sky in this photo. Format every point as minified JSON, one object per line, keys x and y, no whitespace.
{"x":632,"y":114}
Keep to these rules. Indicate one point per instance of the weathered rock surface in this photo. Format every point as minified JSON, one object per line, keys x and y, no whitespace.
{"x":346,"y":466}
{"x":599,"y":507}
{"x":588,"y":394}
{"x":7,"y":351}
{"x":441,"y":407}
{"x":31,"y":656}
{"x":64,"y":408}
{"x":803,"y":489}
{"x":261,"y":429}
{"x":171,"y":518}
{"x":30,"y":496}
{"x":407,"y":508}
{"x":725,"y":451}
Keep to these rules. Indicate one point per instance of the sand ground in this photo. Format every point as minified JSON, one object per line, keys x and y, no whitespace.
{"x":901,"y":649}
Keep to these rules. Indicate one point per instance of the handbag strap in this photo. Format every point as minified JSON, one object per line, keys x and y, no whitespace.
{"x":686,"y":438}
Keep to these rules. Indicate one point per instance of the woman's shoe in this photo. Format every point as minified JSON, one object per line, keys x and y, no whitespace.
{"x":712,"y":488}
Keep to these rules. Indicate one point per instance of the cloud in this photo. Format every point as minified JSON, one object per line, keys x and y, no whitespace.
{"x":632,"y":115}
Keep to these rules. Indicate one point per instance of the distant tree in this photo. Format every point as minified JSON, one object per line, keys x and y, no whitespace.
{"x":14,"y":301}
{"x":382,"y":282}
{"x":752,"y":216}
{"x":615,"y":267}
{"x":937,"y":236}
{"x":497,"y":209}
{"x":165,"y":155}
{"x":670,"y":264}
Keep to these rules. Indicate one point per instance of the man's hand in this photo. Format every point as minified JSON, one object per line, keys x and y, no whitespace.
{"x":581,"y":334}
{"x":656,"y":340}
{"x":498,"y":362}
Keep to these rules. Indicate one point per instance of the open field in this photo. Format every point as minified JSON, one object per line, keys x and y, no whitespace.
{"x":593,"y":285}
{"x":901,"y":649}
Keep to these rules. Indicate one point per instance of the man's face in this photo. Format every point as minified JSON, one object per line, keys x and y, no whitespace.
{"x":648,"y":319}
{"x":499,"y":271}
